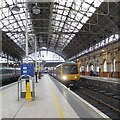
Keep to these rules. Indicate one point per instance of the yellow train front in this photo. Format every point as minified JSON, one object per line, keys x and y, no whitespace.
{"x":68,"y":73}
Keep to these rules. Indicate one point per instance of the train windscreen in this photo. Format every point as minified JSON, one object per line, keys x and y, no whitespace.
{"x":70,"y":69}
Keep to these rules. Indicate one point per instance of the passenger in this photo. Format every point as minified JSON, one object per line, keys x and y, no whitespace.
{"x":91,"y":73}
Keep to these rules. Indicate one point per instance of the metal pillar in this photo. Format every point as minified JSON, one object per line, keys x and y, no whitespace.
{"x":26,"y":32}
{"x":36,"y":59}
{"x":7,"y":59}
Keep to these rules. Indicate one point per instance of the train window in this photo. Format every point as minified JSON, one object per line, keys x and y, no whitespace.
{"x":70,"y":69}
{"x":11,"y":71}
{"x":7,"y":71}
{"x":1,"y":71}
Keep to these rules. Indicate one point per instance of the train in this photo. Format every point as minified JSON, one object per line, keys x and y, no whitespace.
{"x":68,"y":73}
{"x":9,"y":75}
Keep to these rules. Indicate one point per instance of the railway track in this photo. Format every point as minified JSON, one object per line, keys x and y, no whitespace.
{"x":106,"y":101}
{"x":9,"y":81}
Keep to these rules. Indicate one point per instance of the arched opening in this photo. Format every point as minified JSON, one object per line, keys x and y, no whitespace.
{"x":87,"y":68}
{"x":82,"y":69}
{"x":46,"y":56}
{"x":105,"y":66}
{"x":98,"y":67}
{"x":44,"y":60}
{"x":113,"y":67}
{"x":92,"y":67}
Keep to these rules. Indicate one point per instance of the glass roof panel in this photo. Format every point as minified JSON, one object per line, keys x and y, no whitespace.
{"x":92,"y":9}
{"x":85,"y":6}
{"x":8,"y":34}
{"x":89,"y":14}
{"x":72,"y":15}
{"x":79,"y":26}
{"x":61,"y":7}
{"x":63,"y":18}
{"x":6,"y":22}
{"x":74,"y":24}
{"x":97,"y":3}
{"x":68,"y":4}
{"x":79,"y":16}
{"x":65,"y":12}
{"x":84,"y":20}
{"x":60,"y":11}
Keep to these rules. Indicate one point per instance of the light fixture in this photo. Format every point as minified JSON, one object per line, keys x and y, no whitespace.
{"x":15,"y":8}
{"x":36,"y":9}
{"x":64,"y":78}
{"x":103,"y":50}
{"x":75,"y":77}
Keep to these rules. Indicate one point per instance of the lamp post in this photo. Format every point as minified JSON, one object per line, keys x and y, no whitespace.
{"x":26,"y":31}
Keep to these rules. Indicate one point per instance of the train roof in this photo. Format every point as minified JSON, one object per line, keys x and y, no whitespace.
{"x":66,"y":63}
{"x":9,"y":68}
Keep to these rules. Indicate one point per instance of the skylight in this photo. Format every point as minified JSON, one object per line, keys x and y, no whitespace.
{"x":68,"y":16}
{"x":72,"y":15}
{"x":12,"y":22}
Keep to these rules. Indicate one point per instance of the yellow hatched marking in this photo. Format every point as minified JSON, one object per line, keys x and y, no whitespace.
{"x":56,"y":102}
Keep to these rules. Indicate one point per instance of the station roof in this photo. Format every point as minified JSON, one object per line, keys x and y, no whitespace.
{"x":65,"y":27}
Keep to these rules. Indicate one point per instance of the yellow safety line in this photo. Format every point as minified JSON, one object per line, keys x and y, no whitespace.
{"x":56,"y":102}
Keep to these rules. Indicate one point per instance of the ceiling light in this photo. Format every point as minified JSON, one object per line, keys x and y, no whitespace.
{"x":103,"y":50}
{"x":16,"y":8}
{"x":36,"y":9}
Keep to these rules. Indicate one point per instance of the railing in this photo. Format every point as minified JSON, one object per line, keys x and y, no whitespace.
{"x":20,"y":81}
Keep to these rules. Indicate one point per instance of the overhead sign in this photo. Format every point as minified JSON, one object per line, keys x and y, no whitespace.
{"x":27,"y":69}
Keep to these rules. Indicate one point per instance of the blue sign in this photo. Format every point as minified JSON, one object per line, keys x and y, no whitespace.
{"x":27,"y":69}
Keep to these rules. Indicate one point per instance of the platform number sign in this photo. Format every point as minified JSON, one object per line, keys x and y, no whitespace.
{"x":27,"y":69}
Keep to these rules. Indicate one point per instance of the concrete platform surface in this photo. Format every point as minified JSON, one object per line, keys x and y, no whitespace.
{"x":51,"y":101}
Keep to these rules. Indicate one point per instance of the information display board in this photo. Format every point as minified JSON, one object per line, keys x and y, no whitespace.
{"x":27,"y":69}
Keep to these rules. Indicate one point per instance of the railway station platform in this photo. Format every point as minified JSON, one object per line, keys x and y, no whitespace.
{"x":53,"y":100}
{"x":102,"y":82}
{"x":104,"y":79}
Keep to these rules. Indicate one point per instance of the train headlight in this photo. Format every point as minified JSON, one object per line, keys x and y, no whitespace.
{"x":64,"y":78}
{"x":75,"y":77}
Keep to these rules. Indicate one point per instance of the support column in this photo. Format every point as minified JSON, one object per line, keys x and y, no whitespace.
{"x":26,"y":32}
{"x":36,"y":59}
